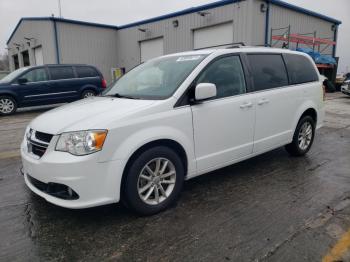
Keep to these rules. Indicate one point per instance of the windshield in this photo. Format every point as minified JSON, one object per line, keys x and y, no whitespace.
{"x":156,"y":79}
{"x":13,"y":75}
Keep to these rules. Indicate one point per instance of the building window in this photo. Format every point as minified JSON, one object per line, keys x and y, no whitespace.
{"x":15,"y":61}
{"x":25,"y":57}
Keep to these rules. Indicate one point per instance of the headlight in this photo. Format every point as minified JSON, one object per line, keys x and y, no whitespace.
{"x":81,"y":142}
{"x":28,"y":133}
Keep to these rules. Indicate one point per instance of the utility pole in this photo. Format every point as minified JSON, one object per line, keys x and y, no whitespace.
{"x":59,"y":9}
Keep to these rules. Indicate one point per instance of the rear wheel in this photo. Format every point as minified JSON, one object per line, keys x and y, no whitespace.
{"x":88,"y":93}
{"x":8,"y":105}
{"x":303,"y":137}
{"x":153,"y":181}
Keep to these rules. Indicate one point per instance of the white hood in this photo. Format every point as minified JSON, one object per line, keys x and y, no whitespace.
{"x":87,"y":114}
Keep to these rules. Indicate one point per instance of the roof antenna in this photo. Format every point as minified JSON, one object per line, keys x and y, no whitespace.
{"x":59,"y":9}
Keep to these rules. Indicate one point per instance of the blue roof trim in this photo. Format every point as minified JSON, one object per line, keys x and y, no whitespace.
{"x":57,"y":19}
{"x":304,"y":11}
{"x":178,"y":13}
{"x":182,"y":12}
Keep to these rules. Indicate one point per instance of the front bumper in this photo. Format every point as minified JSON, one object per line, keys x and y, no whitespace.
{"x":95,"y":183}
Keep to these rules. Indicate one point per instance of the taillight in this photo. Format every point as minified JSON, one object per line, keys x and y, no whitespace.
{"x":104,"y":83}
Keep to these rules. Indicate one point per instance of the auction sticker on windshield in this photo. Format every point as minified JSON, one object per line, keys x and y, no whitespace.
{"x":188,"y":58}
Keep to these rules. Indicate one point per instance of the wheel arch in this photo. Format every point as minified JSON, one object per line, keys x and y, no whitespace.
{"x":12,"y":95}
{"x":310,"y":112}
{"x":172,"y":144}
{"x":90,"y":88}
{"x":307,"y":109}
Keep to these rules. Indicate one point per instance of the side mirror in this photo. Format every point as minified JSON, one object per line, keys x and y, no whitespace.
{"x":22,"y":81}
{"x":205,"y":91}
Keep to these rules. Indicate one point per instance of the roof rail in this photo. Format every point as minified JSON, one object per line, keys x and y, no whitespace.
{"x":236,"y":45}
{"x":231,"y":45}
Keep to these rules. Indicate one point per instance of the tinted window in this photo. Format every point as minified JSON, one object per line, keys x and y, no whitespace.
{"x":268,"y":71}
{"x":36,"y":75}
{"x":61,"y":72}
{"x":227,"y":74}
{"x":300,"y":69}
{"x":86,"y":71}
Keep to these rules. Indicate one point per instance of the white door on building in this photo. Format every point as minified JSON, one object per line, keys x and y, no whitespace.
{"x":217,"y":35}
{"x":38,"y":54}
{"x":151,"y":48}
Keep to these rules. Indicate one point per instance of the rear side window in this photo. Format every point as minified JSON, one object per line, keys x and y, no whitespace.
{"x":300,"y":69}
{"x":86,"y":71}
{"x":61,"y":72}
{"x":268,"y":71}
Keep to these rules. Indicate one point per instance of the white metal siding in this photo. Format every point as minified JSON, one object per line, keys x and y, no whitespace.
{"x":88,"y":45}
{"x":300,"y":24}
{"x":216,"y":35}
{"x":43,"y":35}
{"x":258,"y":23}
{"x":177,"y":39}
{"x":38,"y":54}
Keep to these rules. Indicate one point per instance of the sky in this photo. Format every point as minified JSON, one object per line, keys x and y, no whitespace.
{"x":119,"y":12}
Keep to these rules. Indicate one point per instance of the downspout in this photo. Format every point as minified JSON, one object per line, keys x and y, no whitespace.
{"x":267,"y":23}
{"x":56,"y":41}
{"x":335,"y":39}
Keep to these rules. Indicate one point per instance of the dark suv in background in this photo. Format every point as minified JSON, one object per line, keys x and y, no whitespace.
{"x":48,"y":84}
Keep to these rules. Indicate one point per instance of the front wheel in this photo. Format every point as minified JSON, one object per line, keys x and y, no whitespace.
{"x":7,"y":105}
{"x":153,"y":181}
{"x":303,"y":137}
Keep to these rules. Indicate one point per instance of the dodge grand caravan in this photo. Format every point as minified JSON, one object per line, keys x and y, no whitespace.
{"x":49,"y":84}
{"x":171,"y":119}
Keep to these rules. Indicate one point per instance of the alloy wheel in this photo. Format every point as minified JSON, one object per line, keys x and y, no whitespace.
{"x":305,"y":136}
{"x":6,"y":106}
{"x":156,"y":181}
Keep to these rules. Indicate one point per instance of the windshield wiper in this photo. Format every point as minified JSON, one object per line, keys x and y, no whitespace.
{"x":123,"y":96}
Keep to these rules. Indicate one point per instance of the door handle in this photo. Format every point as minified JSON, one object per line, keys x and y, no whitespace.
{"x":246,"y":105}
{"x":263,"y":101}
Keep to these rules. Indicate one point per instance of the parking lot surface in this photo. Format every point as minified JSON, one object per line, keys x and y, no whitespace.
{"x":270,"y":208}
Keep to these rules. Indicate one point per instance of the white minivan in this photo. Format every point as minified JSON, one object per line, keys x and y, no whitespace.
{"x":170,"y":119}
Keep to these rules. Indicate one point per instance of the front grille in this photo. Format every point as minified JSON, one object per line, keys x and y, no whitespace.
{"x":43,"y":136}
{"x":38,"y":142}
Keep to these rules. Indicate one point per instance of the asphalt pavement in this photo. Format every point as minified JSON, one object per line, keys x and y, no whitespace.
{"x":270,"y":208}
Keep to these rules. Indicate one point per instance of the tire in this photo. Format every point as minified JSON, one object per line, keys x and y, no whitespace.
{"x":140,"y":194}
{"x":8,"y":105}
{"x":305,"y":131}
{"x":87,"y":94}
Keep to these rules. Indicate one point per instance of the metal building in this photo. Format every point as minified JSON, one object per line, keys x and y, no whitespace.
{"x":253,"y":22}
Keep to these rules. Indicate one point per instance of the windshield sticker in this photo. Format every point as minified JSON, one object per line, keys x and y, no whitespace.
{"x":188,"y":58}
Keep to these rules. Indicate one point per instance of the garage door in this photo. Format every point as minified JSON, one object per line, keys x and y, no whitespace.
{"x":213,"y":36}
{"x":38,"y":54}
{"x":151,"y":48}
